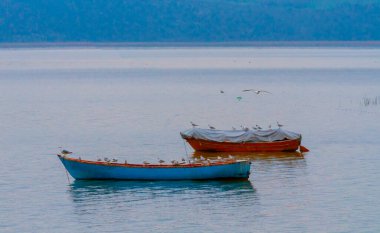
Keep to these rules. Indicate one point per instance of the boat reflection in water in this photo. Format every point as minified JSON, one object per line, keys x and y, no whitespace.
{"x":87,"y":190}
{"x":295,"y":155}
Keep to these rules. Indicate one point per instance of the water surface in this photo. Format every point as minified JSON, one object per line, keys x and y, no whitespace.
{"x":131,"y":104}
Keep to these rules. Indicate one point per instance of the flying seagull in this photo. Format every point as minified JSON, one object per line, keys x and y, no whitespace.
{"x":239,"y":98}
{"x":211,"y":127}
{"x":257,"y":91}
{"x":221,"y":91}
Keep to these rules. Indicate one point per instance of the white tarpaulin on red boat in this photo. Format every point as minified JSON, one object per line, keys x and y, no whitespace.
{"x":269,"y":135}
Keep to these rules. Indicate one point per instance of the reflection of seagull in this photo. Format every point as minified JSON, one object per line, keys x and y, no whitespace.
{"x":279,"y":125}
{"x":257,"y":91}
{"x":211,"y":127}
{"x":193,"y":124}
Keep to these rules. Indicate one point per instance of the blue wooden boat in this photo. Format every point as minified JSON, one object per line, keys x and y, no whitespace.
{"x":99,"y":170}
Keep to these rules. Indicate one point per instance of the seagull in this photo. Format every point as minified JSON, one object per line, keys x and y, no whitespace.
{"x":146,"y":163}
{"x":174,"y":162}
{"x":106,"y":159}
{"x":221,"y":91}
{"x":66,"y":152}
{"x":257,"y":91}
{"x":270,"y":126}
{"x":233,"y":128}
{"x":114,"y":160}
{"x":125,"y":162}
{"x":258,"y":127}
{"x":254,"y":128}
{"x":239,"y":98}
{"x":183,"y":160}
{"x":161,"y":161}
{"x":193,"y":124}
{"x":211,"y":127}
{"x":99,"y":160}
{"x":279,"y":125}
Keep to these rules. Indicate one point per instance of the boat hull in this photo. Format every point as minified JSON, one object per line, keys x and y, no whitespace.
{"x":89,"y":170}
{"x":277,"y":146}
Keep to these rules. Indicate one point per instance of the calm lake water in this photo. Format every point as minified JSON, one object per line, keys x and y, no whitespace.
{"x":131,"y":103}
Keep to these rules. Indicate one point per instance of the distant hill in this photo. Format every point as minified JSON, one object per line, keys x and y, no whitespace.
{"x":188,"y":20}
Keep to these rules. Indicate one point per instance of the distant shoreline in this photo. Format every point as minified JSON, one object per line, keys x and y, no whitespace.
{"x":359,"y":44}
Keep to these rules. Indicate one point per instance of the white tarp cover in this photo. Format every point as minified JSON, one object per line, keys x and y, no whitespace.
{"x":269,"y":135}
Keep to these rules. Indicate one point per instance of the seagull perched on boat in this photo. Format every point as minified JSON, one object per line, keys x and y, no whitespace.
{"x":174,"y":162}
{"x":99,"y":160}
{"x":279,"y":125}
{"x":183,"y":160}
{"x":114,"y":160}
{"x":258,"y":127}
{"x":66,"y":152}
{"x":193,"y":124}
{"x":146,"y":163}
{"x":257,"y":91}
{"x":106,"y":159}
{"x":161,"y":161}
{"x":211,"y":127}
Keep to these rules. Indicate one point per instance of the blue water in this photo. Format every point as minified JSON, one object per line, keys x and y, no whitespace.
{"x":130,"y":104}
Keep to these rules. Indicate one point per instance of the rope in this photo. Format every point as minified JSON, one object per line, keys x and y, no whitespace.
{"x":184,"y":144}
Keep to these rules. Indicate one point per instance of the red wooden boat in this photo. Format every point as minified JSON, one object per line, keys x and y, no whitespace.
{"x":276,"y":140}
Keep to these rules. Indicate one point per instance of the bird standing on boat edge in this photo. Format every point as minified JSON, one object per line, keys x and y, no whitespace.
{"x":66,"y":152}
{"x":193,"y":124}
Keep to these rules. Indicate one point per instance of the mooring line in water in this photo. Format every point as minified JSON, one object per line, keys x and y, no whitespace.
{"x":68,"y":178}
{"x":184,"y":144}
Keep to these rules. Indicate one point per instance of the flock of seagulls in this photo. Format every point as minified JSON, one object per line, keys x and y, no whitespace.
{"x":183,"y":161}
{"x":252,"y":90}
{"x":257,"y":92}
{"x":256,"y":127}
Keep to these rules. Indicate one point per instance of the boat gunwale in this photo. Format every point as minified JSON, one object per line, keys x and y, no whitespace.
{"x":131,"y":165}
{"x":244,"y":142}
